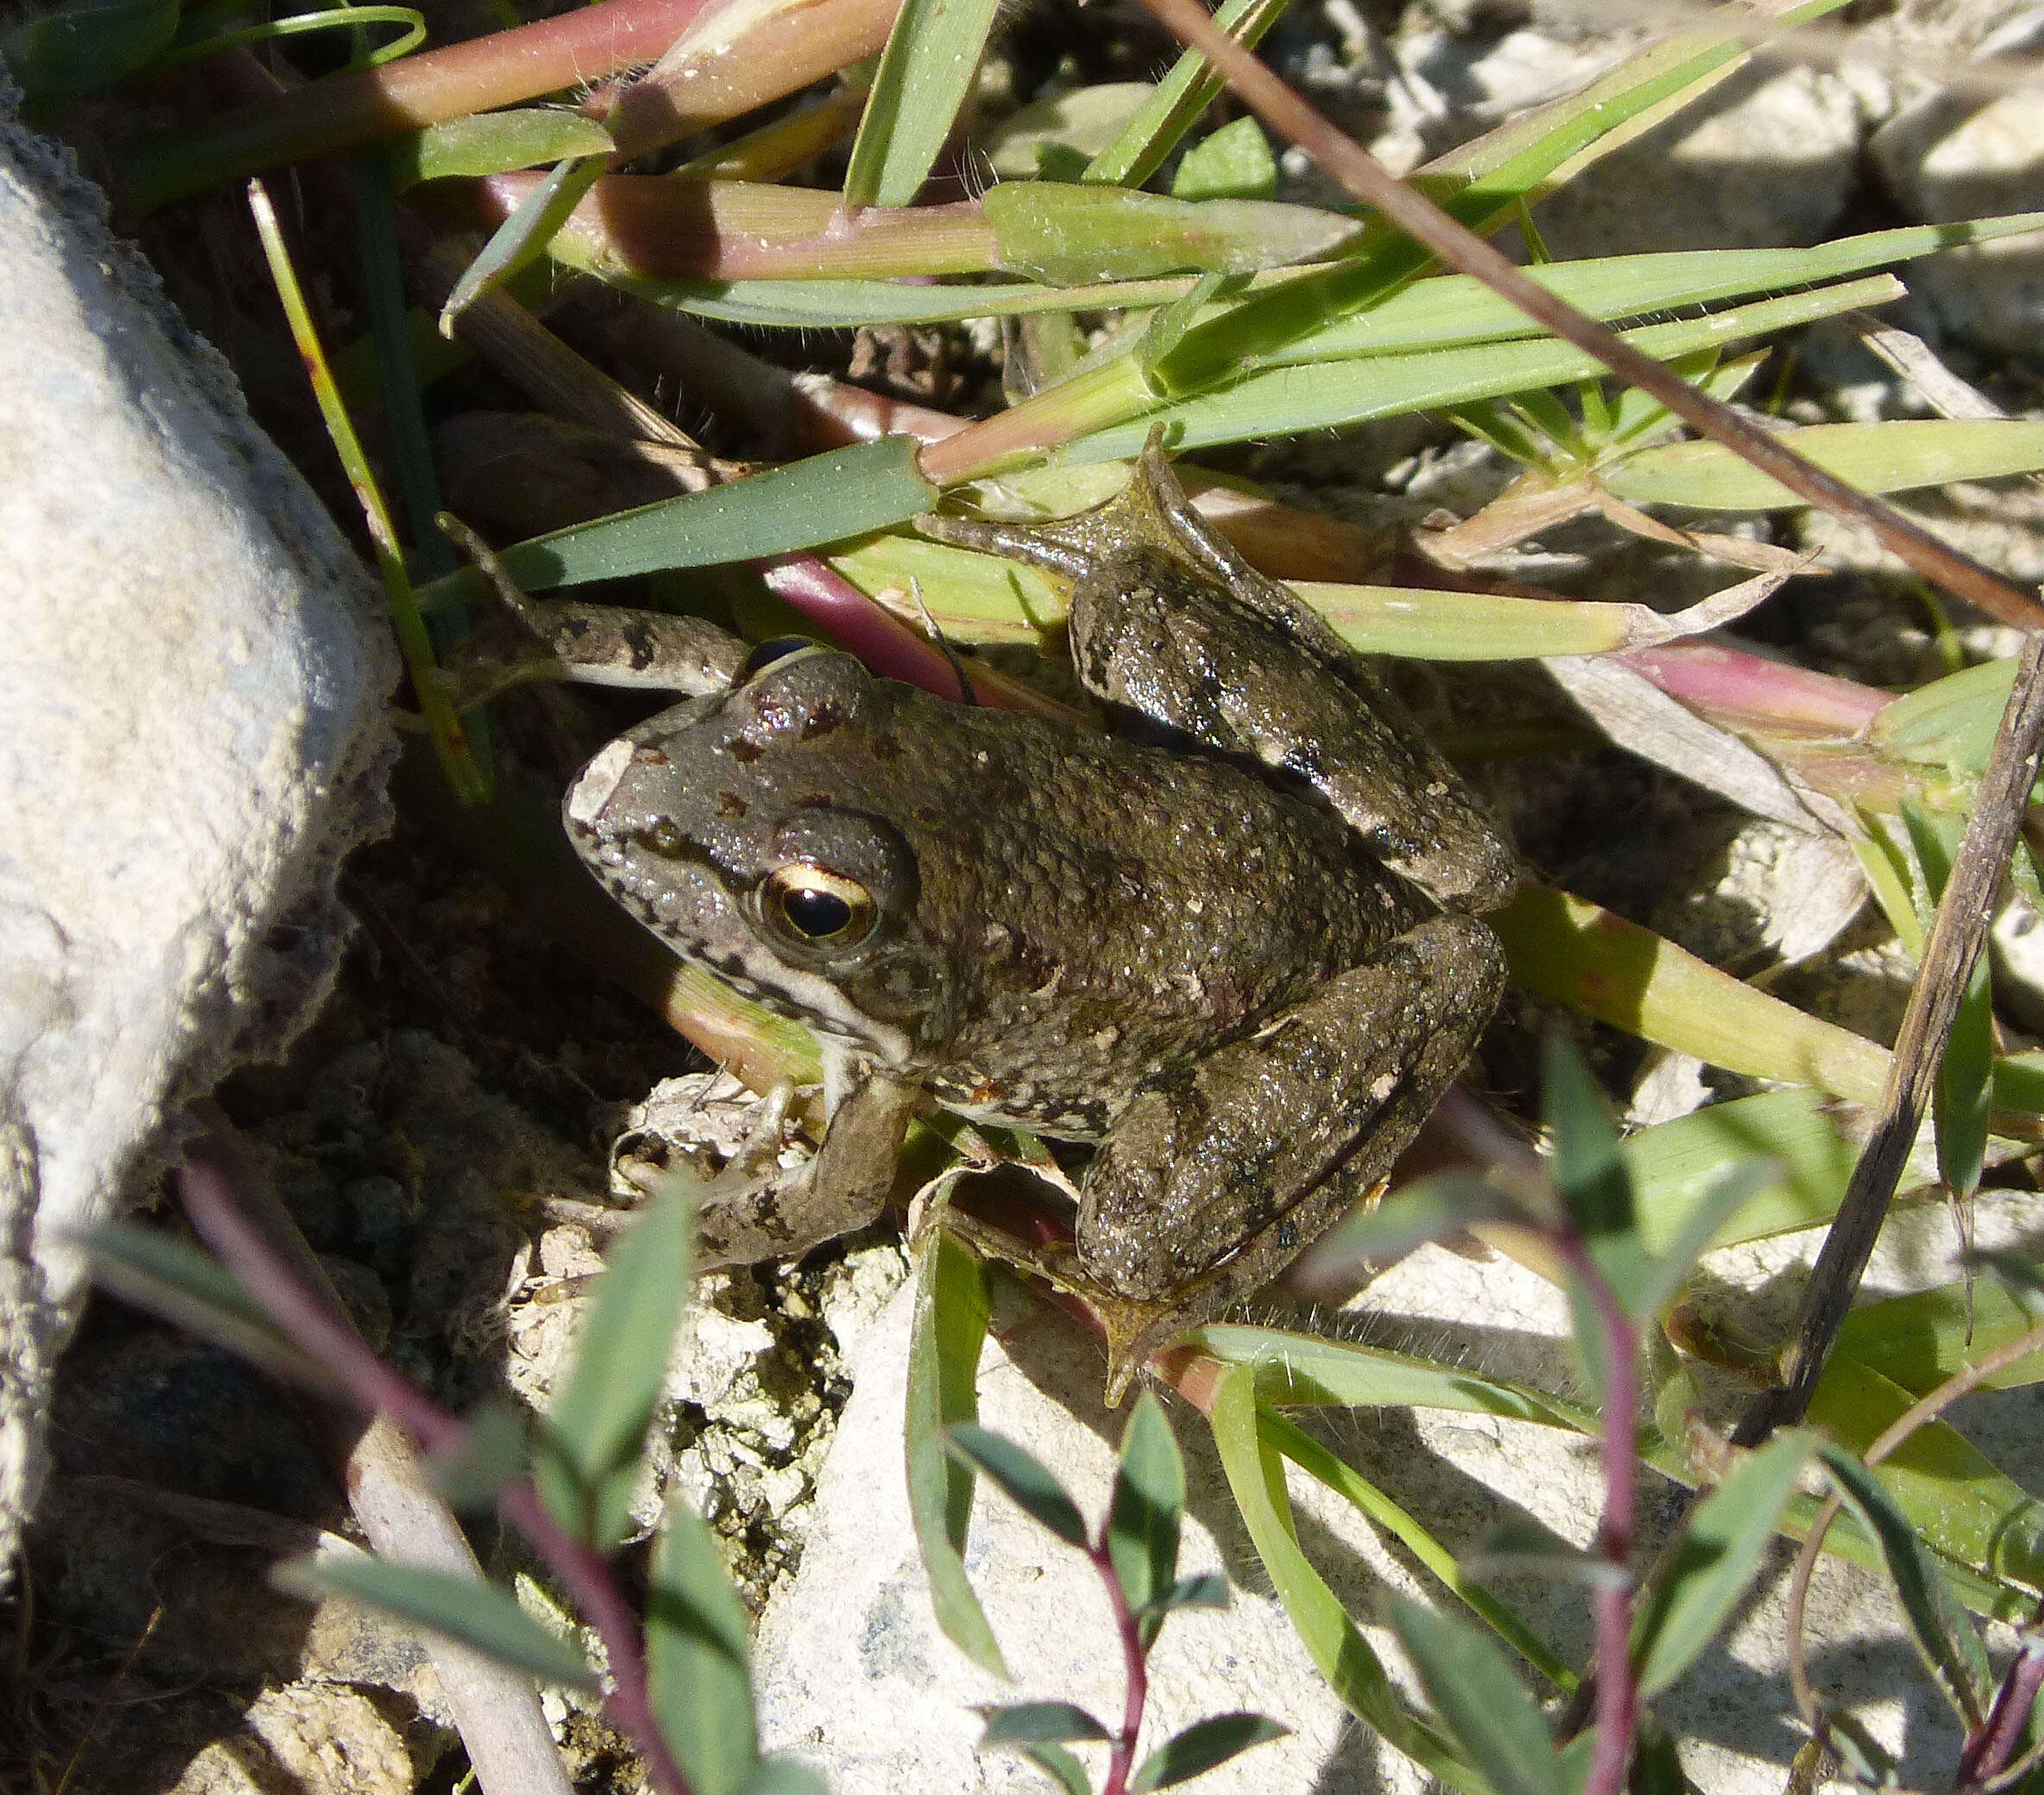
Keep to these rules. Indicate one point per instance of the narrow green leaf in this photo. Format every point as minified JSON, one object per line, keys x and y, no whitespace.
{"x":1896,"y":455}
{"x":493,"y":143}
{"x":1203,"y":1745}
{"x":1950,"y":1649}
{"x":1482,"y":1703}
{"x":1919,"y":1341}
{"x":947,"y":1333}
{"x":493,"y":1454}
{"x":589,"y":1447}
{"x":522,"y":238}
{"x":186,"y":1285}
{"x":1963,"y":1506}
{"x":1142,"y":1517}
{"x":1068,"y":234}
{"x":924,"y":75}
{"x":1713,"y":1561}
{"x":1022,"y":1479}
{"x":1184,"y":94}
{"x":63,"y":56}
{"x":1678,"y":1166}
{"x":1439,"y":1203}
{"x":1231,"y":163}
{"x":472,"y":1613}
{"x":1077,"y":124}
{"x":1723,"y":1199}
{"x":1206,"y":1588}
{"x":1060,"y":1767}
{"x":1256,"y":1475}
{"x":697,"y":1659}
{"x":1038,"y":1723}
{"x":1589,"y":1172}
{"x":846,"y":492}
{"x":1456,"y":1576}
{"x":784,"y":1776}
{"x":1284,"y":401}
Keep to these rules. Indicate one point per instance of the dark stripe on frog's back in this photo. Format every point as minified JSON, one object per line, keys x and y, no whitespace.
{"x":1111,"y":908}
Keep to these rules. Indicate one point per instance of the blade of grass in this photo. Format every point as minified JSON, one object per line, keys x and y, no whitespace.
{"x":443,"y":727}
{"x":924,"y":76}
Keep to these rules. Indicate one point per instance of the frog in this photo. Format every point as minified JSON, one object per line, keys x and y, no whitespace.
{"x":1234,"y":945}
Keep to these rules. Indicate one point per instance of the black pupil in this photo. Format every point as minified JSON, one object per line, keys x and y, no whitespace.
{"x":775,"y":648}
{"x":818,"y":914}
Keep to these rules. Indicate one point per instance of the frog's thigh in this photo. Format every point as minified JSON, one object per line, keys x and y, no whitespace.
{"x":843,"y":1186}
{"x":1257,"y":1150}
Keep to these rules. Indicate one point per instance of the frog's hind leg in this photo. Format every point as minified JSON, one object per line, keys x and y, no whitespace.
{"x":1218,"y":1176}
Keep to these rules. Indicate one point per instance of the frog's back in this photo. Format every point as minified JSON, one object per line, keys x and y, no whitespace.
{"x":1107,"y":908}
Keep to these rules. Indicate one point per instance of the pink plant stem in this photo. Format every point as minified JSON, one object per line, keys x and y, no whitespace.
{"x":1617,"y":1695}
{"x":1989,"y":1752}
{"x":1121,"y":1764}
{"x":324,"y":1337}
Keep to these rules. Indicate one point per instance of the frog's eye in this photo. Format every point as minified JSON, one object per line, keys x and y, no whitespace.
{"x":774,"y":648}
{"x":816,"y":907}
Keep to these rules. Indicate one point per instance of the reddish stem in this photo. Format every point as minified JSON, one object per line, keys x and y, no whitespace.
{"x":1991,"y":1751}
{"x":1617,"y":1694}
{"x":324,"y":1336}
{"x":1121,"y":1764}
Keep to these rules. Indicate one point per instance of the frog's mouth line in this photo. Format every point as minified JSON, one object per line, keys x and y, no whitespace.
{"x":750,"y":968}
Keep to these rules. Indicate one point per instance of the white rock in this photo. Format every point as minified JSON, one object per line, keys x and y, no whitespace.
{"x":1947,"y":155}
{"x":191,"y":732}
{"x":1769,"y":158}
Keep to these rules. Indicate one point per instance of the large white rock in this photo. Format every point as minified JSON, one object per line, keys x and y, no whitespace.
{"x":193,"y":683}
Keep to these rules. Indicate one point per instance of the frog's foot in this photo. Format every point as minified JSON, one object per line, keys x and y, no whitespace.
{"x":754,"y":1210}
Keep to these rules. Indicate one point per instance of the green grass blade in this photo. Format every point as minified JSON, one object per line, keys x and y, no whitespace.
{"x":1887,"y":457}
{"x":1285,"y":400}
{"x":1919,"y":1341}
{"x":1944,"y":1637}
{"x":949,"y":1330}
{"x":1954,"y":1495}
{"x":844,"y":493}
{"x":590,"y":1454}
{"x":924,"y":75}
{"x":522,"y":238}
{"x":474,"y":1613}
{"x":63,"y":56}
{"x":1177,"y":101}
{"x":1317,"y":1462}
{"x":1069,"y":236}
{"x":495,"y":143}
{"x":1256,"y":1475}
{"x":1676,"y":1165}
{"x":1966,"y":1069}
{"x":1565,"y":948}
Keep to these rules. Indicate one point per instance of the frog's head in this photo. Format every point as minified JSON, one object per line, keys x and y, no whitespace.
{"x":741,"y":830}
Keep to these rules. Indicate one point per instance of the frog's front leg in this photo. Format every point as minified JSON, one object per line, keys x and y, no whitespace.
{"x":1218,"y":1175}
{"x":754,"y":1211}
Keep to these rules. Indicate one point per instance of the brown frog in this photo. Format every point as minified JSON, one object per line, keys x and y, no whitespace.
{"x":1239,"y":957}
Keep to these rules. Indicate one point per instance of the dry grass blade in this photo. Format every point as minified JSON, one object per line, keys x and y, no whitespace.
{"x":1352,"y":165}
{"x":1955,"y":943}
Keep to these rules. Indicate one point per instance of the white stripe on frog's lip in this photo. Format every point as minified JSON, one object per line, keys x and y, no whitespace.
{"x":816,"y":1000}
{"x":597,"y":783}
